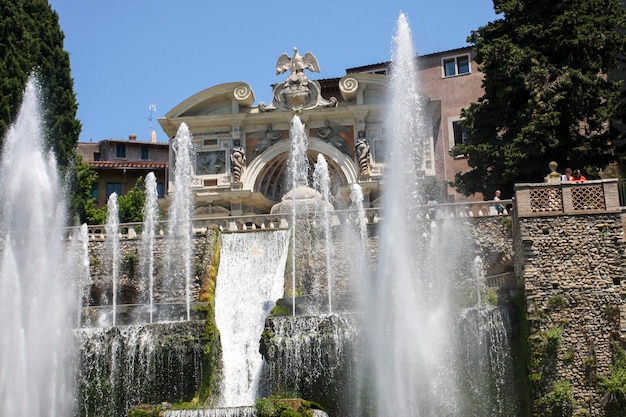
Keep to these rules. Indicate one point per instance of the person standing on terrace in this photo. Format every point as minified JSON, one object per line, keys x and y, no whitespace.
{"x":567,"y":176}
{"x":577,"y":176}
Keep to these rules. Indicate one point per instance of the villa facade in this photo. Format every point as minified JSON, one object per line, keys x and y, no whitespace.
{"x":120,"y":163}
{"x":242,"y":149}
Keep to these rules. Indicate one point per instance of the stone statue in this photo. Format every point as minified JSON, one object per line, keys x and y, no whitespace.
{"x":297,"y":64}
{"x":329,"y":134}
{"x":237,"y":162}
{"x":297,"y":93}
{"x":362,"y":153}
{"x":268,"y":138}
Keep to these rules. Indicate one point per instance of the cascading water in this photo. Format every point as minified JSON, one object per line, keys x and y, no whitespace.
{"x":314,"y":356}
{"x":112,"y":245}
{"x":35,"y":315}
{"x":179,"y":250}
{"x":250,"y":279}
{"x":139,"y":364}
{"x":321,"y":181}
{"x":478,"y":274}
{"x":485,"y":362}
{"x":150,"y":213}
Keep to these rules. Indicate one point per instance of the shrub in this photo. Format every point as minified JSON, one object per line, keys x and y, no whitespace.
{"x":559,"y":401}
{"x":614,"y":385}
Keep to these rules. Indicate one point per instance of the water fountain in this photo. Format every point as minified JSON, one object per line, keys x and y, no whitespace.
{"x":415,"y":353}
{"x":112,"y":245}
{"x":150,"y":213}
{"x":411,"y":369}
{"x":410,"y":356}
{"x":178,"y":252}
{"x":298,"y":170}
{"x":321,"y":182}
{"x":36,"y":310}
{"x":78,"y":271}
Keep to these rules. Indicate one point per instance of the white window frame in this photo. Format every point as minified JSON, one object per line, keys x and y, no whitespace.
{"x":456,"y":65}
{"x":451,"y":138}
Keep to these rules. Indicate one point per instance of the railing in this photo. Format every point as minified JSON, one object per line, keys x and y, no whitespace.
{"x":621,"y":190}
{"x":255,"y":222}
{"x":544,"y":199}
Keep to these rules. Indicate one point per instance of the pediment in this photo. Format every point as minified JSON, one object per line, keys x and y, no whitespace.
{"x":220,"y":99}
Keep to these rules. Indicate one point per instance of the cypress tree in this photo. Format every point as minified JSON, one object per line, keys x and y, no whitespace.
{"x":31,"y":41}
{"x":547,"y":96}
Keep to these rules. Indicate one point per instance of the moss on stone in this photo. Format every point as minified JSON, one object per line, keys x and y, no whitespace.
{"x":285,"y":407}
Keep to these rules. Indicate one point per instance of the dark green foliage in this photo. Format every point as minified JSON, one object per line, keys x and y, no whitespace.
{"x":130,"y":263}
{"x":614,"y":385}
{"x":145,"y":410}
{"x":131,"y":204}
{"x":559,"y":401}
{"x":79,"y":179}
{"x":31,"y":40}
{"x":212,"y":347}
{"x":276,"y":407}
{"x":556,"y":301}
{"x":545,"y":97}
{"x":282,"y":308}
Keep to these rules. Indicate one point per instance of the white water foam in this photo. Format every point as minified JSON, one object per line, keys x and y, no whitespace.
{"x":249,"y":281}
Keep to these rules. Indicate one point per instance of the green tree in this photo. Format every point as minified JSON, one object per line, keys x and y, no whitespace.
{"x":546,"y":97}
{"x":79,"y":181}
{"x":31,"y":40}
{"x":131,"y":204}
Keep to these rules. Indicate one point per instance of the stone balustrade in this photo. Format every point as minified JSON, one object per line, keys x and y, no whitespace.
{"x":257,"y":222}
{"x":580,"y":197}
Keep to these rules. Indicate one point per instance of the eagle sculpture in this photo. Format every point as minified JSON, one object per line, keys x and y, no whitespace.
{"x":297,"y":64}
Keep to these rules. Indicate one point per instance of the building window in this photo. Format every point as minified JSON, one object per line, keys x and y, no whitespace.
{"x":160,"y":190}
{"x":457,"y":65}
{"x":96,"y":156}
{"x":94,"y":191}
{"x":461,"y":134}
{"x":114,"y":187}
{"x":457,"y":134}
{"x":120,"y":150}
{"x":145,"y":152}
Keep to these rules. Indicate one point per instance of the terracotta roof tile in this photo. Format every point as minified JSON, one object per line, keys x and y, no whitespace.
{"x":127,"y":164}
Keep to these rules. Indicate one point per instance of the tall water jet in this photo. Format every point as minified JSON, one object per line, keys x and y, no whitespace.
{"x":112,"y":245}
{"x":249,"y":280}
{"x":298,"y":168}
{"x":77,"y":266}
{"x":150,"y":213}
{"x":321,"y":181}
{"x":356,"y":198}
{"x":178,"y":251}
{"x":409,"y":324}
{"x":35,"y":317}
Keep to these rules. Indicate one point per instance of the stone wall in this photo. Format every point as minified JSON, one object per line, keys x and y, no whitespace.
{"x":572,"y":268}
{"x":131,"y":284}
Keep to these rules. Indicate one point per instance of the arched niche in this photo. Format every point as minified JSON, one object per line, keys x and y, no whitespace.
{"x":268,"y":173}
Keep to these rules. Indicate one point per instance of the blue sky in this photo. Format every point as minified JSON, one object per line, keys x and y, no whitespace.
{"x":128,"y":55}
